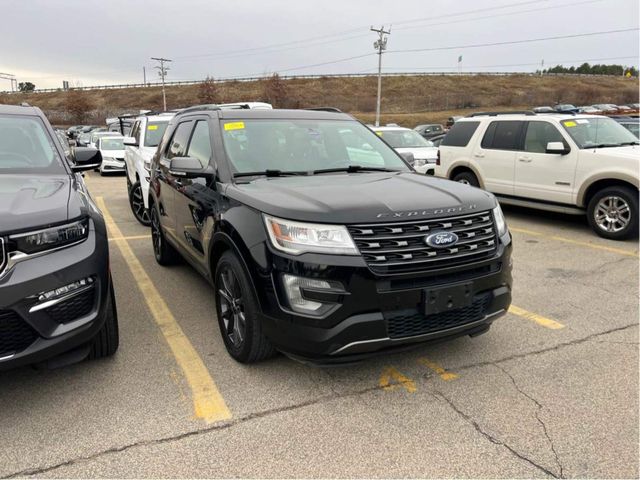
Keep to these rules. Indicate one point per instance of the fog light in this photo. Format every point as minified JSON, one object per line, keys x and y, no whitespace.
{"x":58,"y":292}
{"x":293,"y":288}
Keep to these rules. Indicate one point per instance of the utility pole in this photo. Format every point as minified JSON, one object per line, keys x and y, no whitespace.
{"x":542,"y":67}
{"x":162,"y":71}
{"x":12,"y":79}
{"x":144,"y":76}
{"x":380,"y":45}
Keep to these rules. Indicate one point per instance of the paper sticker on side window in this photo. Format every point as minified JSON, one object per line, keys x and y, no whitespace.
{"x":570,"y":123}
{"x":234,"y":126}
{"x":152,"y":127}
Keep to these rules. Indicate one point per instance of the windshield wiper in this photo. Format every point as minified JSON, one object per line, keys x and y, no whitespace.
{"x":629,"y":143}
{"x":605,"y":145}
{"x":354,"y":169}
{"x":268,"y":173}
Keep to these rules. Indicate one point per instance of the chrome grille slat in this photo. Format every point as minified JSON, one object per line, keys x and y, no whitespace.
{"x":390,"y":248}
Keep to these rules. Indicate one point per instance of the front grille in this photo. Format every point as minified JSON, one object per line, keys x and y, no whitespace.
{"x":15,"y":333}
{"x":73,"y":308}
{"x":408,"y":323}
{"x":390,"y":248}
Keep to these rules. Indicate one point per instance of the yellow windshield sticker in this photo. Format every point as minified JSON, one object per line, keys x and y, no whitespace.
{"x":234,"y":126}
{"x":379,"y":134}
{"x":152,"y":127}
{"x":570,"y":123}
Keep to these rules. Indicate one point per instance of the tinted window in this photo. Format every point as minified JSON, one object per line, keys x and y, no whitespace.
{"x":200,"y":145}
{"x":155,"y":131}
{"x":178,"y":145}
{"x":538,"y":135}
{"x":26,"y":147}
{"x":460,"y":134}
{"x":502,"y":135}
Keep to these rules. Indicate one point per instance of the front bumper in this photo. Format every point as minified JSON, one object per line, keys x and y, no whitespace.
{"x":112,"y":165}
{"x":31,"y":332}
{"x":379,"y":313}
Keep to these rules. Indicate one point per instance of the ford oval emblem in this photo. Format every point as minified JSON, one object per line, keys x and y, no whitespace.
{"x":441,"y":239}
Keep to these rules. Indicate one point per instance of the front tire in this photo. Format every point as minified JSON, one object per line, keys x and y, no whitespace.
{"x":467,"y":178}
{"x":613,"y":213}
{"x":237,"y":310}
{"x":136,"y":201}
{"x":106,"y":342}
{"x":163,"y":252}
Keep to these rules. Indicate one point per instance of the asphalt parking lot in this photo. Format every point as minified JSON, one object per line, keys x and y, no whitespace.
{"x":550,"y":391}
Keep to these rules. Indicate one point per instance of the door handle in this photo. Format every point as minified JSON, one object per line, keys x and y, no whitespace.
{"x":478,"y":155}
{"x":525,"y":159}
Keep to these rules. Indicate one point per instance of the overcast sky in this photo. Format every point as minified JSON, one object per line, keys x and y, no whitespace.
{"x":90,"y":42}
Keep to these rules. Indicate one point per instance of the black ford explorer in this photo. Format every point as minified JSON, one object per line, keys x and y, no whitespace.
{"x":321,"y":241}
{"x":56,"y":298}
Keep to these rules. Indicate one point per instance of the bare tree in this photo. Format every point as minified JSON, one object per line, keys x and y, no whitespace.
{"x":208,"y":91}
{"x":78,"y":105}
{"x":275,"y":90}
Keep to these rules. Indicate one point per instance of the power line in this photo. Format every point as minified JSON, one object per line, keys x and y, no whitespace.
{"x":513,"y":42}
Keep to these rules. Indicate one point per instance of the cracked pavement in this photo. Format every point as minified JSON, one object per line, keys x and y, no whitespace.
{"x":527,"y":402}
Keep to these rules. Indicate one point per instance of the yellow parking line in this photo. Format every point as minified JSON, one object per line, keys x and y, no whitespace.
{"x":619,"y":251}
{"x":534,"y":317}
{"x":392,"y":379}
{"x":130,"y":237}
{"x":207,"y":400}
{"x":444,"y":374}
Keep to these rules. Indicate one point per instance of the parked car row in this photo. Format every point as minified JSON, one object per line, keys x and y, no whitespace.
{"x":598,"y":109}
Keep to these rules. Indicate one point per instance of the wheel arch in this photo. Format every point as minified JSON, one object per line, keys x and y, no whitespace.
{"x":594,"y":185}
{"x":465,"y":167}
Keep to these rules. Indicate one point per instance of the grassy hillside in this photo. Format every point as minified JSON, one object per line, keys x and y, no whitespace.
{"x":407,"y":100}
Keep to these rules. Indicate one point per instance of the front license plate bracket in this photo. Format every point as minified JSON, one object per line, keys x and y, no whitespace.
{"x":452,"y":297}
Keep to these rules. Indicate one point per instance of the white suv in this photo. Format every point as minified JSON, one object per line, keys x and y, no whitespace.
{"x":562,"y":163}
{"x":146,"y":133}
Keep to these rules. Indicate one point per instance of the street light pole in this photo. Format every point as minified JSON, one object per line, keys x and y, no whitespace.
{"x":380,"y":45}
{"x":162,"y":71}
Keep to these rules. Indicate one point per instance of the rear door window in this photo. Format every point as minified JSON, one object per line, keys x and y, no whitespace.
{"x":460,"y":134}
{"x":503,"y":135}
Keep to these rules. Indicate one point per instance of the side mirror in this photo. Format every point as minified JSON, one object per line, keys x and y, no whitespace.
{"x":557,"y":148}
{"x":408,"y":157}
{"x":86,"y":159}
{"x":131,"y":141}
{"x":187,"y":167}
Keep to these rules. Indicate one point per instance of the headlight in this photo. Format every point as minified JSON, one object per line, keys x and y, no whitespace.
{"x":501,"y":224}
{"x":296,"y":238}
{"x":109,"y":159}
{"x":54,"y":237}
{"x":419,"y":162}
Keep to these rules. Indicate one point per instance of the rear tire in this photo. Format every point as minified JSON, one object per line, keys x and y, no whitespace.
{"x":106,"y":342}
{"x":163,"y":252}
{"x":613,"y":213}
{"x":468,"y":178}
{"x":237,"y":310}
{"x":136,"y":202}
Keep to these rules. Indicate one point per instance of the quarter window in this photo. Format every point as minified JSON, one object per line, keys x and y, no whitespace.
{"x":460,"y":134}
{"x":538,"y":135}
{"x":200,"y":145}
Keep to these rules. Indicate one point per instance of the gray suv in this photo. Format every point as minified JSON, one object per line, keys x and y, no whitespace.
{"x":56,"y":298}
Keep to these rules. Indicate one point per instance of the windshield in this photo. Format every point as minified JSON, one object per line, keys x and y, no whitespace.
{"x":305,"y":145}
{"x":155,"y":131}
{"x":112,"y":144}
{"x":26,"y":147}
{"x":598,"y":132}
{"x":404,"y":138}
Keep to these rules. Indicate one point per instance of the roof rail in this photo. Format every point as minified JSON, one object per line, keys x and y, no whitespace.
{"x":198,"y":108}
{"x":24,"y":104}
{"x":495,"y":114}
{"x":325,"y":109}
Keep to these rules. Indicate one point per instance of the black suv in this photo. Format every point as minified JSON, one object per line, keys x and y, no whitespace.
{"x":320,"y":239}
{"x":56,"y":298}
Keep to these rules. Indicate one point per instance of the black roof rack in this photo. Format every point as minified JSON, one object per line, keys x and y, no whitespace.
{"x":325,"y":109}
{"x":199,"y":108}
{"x":495,"y":114}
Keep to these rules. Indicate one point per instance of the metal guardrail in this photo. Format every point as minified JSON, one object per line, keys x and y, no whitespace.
{"x":295,"y":77}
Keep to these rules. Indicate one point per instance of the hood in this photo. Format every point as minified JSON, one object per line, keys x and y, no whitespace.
{"x":112,"y":153}
{"x":33,"y":201}
{"x":626,"y":152}
{"x":361,"y":197}
{"x":420,"y":152}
